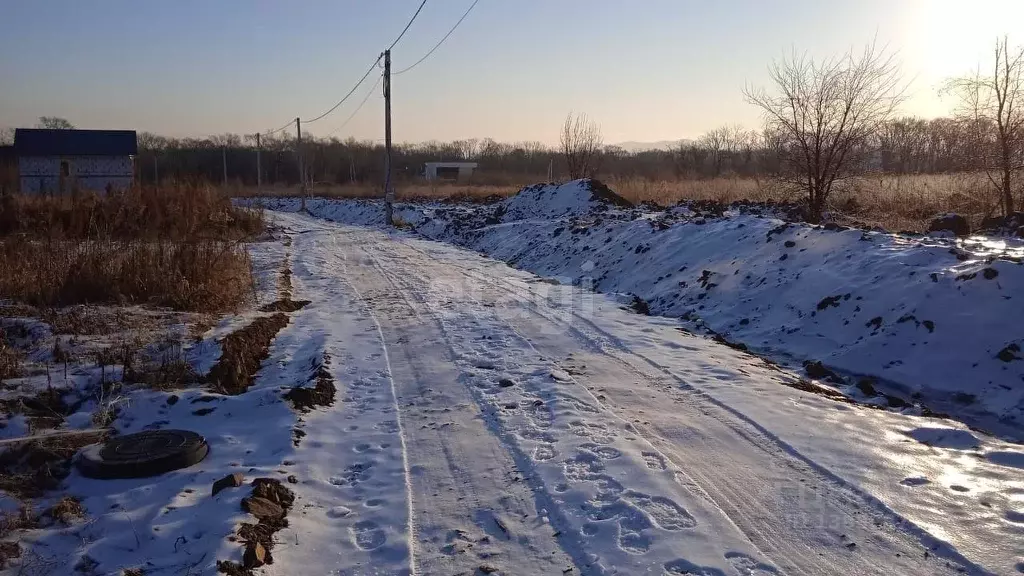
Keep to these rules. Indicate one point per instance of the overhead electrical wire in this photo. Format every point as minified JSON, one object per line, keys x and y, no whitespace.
{"x":350,"y":92}
{"x":406,"y":29}
{"x":438,"y":45}
{"x":358,"y":108}
{"x":272,"y":132}
{"x":369,"y":70}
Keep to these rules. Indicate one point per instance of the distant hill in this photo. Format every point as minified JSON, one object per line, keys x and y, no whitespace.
{"x":641,"y":146}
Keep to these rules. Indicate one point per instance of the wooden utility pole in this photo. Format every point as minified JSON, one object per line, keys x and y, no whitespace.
{"x":298,"y":154}
{"x":224,"y":162}
{"x":156,"y":170}
{"x":389,"y":192}
{"x":259,"y":165}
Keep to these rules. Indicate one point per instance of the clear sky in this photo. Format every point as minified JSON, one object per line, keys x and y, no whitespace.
{"x":646,"y":70}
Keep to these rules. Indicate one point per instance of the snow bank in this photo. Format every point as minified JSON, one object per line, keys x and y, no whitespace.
{"x":924,"y":318}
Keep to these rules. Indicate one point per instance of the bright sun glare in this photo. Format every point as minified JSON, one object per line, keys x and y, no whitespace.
{"x":957,"y":34}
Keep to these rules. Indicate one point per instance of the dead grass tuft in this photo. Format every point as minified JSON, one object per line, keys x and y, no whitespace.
{"x":176,"y":212}
{"x":206,"y":276}
{"x":65,"y":511}
{"x":10,"y":358}
{"x":174,"y":246}
{"x":243,"y":351}
{"x":29,"y":469}
{"x":894,"y":202}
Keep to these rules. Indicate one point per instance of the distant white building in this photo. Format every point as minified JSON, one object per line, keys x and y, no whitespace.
{"x":448,"y":170}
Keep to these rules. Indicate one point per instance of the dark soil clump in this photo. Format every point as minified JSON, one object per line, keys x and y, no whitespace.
{"x":306,"y":398}
{"x":243,"y":351}
{"x":285,"y":305}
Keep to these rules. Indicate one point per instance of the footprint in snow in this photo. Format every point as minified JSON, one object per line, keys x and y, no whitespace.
{"x":604,"y":452}
{"x":747,"y":566}
{"x":683,"y":566}
{"x":654,"y":460}
{"x":664,"y":512}
{"x":338,"y":512}
{"x":560,"y":375}
{"x":367,"y":535}
{"x":915,"y":481}
{"x":543,"y":452}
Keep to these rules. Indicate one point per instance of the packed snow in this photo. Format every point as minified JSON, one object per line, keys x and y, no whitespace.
{"x":504,"y":407}
{"x":930,"y":320}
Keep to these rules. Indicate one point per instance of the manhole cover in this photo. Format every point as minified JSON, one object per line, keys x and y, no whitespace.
{"x":142,"y":454}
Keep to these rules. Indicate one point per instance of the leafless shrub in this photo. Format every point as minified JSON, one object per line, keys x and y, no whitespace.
{"x":581,"y":143}
{"x":824,"y":112}
{"x":993,"y":106}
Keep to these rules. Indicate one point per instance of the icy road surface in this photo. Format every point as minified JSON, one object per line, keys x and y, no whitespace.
{"x":490,"y":421}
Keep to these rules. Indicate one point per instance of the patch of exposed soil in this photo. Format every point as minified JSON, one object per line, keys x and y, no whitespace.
{"x":29,"y":469}
{"x":601,"y":192}
{"x":285,"y":305}
{"x":243,"y":351}
{"x":270,"y":501}
{"x":306,"y":398}
{"x":45,"y":410}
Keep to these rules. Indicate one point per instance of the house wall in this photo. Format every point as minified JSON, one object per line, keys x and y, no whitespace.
{"x":465,"y":169}
{"x":41,"y":174}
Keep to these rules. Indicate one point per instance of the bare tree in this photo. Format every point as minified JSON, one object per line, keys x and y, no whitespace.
{"x":824,"y":112}
{"x":581,"y":145}
{"x":6,"y":136}
{"x":997,"y":101}
{"x":54,"y":123}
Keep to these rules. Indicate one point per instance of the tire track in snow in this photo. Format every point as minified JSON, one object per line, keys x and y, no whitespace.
{"x":545,"y":503}
{"x":350,"y":464}
{"x":398,"y":419}
{"x":490,"y":524}
{"x":636,"y":514}
{"x":738,"y":423}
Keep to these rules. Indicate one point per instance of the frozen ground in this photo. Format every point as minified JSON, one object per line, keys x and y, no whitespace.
{"x":927,"y":321}
{"x":492,"y":421}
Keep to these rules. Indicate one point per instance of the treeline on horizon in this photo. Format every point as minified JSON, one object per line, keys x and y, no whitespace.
{"x":903,"y":146}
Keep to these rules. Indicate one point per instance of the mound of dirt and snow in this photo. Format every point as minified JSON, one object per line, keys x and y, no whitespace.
{"x":931,"y":320}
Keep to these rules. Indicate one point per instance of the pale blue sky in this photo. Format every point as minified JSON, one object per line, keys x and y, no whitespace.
{"x":645,"y":69}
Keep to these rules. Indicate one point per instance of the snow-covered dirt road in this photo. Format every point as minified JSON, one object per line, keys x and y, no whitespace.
{"x":492,"y":422}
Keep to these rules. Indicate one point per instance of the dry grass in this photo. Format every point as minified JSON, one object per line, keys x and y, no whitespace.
{"x":893,"y":202}
{"x":167,"y":213}
{"x":205,"y":276}
{"x":29,"y":469}
{"x":178,"y":247}
{"x":10,"y":358}
{"x":445,"y":191}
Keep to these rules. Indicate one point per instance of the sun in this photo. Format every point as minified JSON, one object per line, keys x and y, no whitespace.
{"x":958,"y":35}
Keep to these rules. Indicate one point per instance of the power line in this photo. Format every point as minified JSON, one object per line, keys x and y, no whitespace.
{"x":358,"y":108}
{"x":272,"y":132}
{"x":350,"y":92}
{"x":438,"y":45}
{"x":413,"y":19}
{"x":365,"y":76}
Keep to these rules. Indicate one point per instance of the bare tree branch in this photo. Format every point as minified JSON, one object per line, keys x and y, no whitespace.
{"x":823,"y":114}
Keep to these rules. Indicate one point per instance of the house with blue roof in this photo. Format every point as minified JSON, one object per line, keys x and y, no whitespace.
{"x":63,"y":161}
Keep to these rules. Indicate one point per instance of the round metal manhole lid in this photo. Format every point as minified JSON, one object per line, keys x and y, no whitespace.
{"x":142,"y":454}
